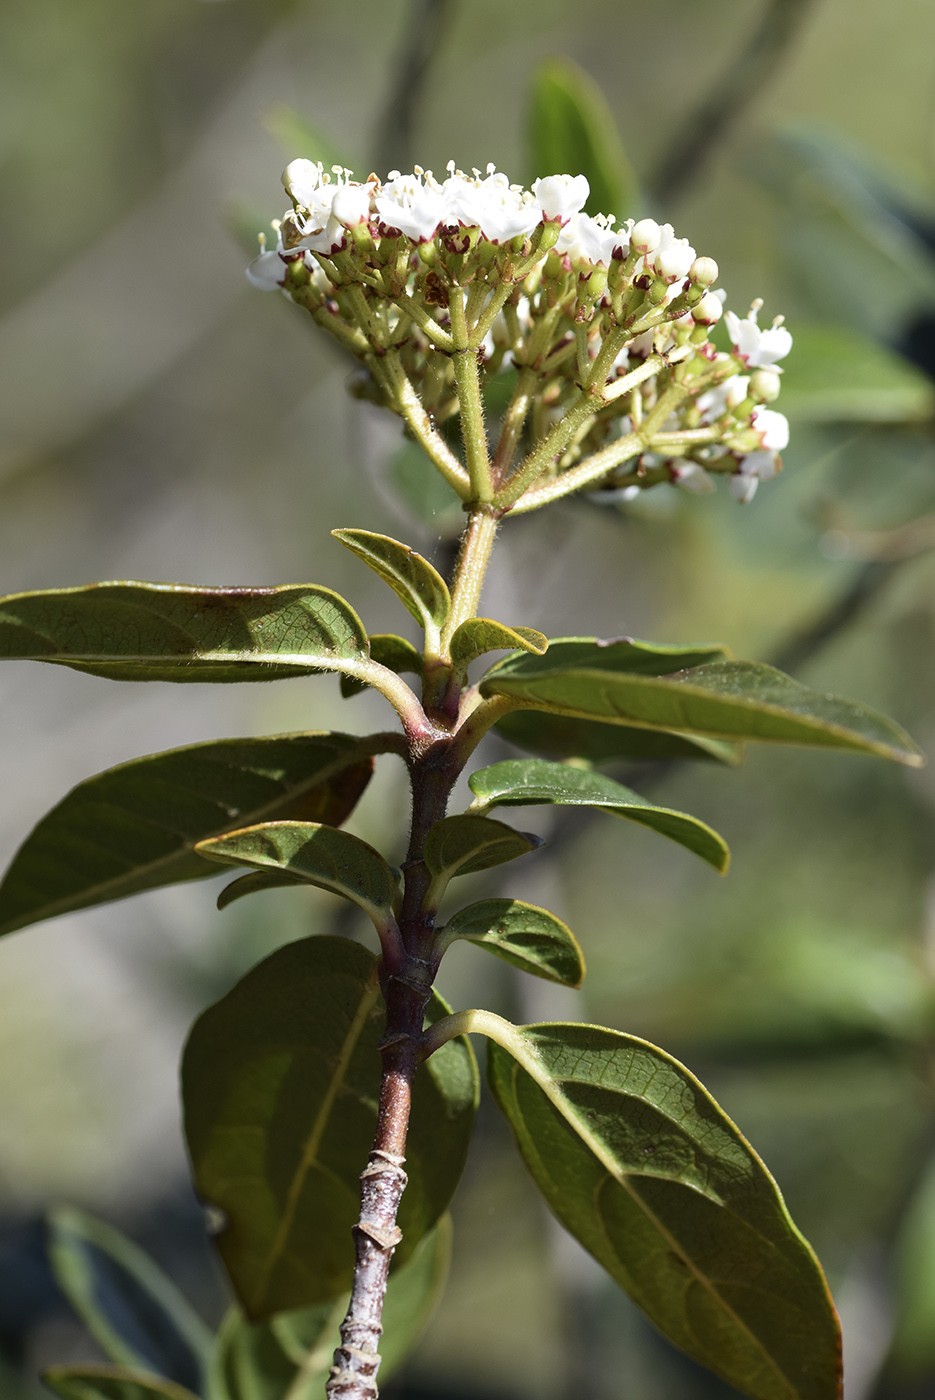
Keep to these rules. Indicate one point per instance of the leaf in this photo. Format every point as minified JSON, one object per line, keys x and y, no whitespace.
{"x":571,"y":130}
{"x":280,"y":1081}
{"x":644,"y":1169}
{"x":563,"y":737}
{"x":170,"y":632}
{"x":111,"y":1383}
{"x":135,"y":826}
{"x":462,"y":845}
{"x":524,"y":782}
{"x":529,"y":938}
{"x":255,"y":883}
{"x":387,"y":650}
{"x":418,"y":585}
{"x":320,"y":855}
{"x":480,"y":634}
{"x":839,"y":375}
{"x":131,"y":1308}
{"x":294,"y":1351}
{"x":723,"y":699}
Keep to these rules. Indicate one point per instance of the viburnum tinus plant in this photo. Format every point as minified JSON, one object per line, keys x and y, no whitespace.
{"x":331,"y":1093}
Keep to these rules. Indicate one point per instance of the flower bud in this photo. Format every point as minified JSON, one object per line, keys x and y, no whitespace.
{"x":703,"y":272}
{"x":765,"y":385}
{"x":644,"y":238}
{"x":673,"y":263}
{"x":709,"y":310}
{"x":351,"y":204}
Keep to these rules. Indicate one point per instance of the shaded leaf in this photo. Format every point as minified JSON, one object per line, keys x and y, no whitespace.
{"x":280,"y":1083}
{"x":723,"y":699}
{"x":111,"y":1383}
{"x":523,"y":782}
{"x":839,"y":375}
{"x":320,"y":855}
{"x":171,"y":632}
{"x":418,"y":585}
{"x":462,"y":845}
{"x":644,"y":1169}
{"x":135,"y":827}
{"x":480,"y":634}
{"x":134,"y":1312}
{"x":387,"y":650}
{"x":255,"y":883}
{"x":563,"y":736}
{"x":522,"y":934}
{"x":571,"y":130}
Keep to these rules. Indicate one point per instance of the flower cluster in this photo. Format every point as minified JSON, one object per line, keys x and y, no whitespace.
{"x":430,"y":283}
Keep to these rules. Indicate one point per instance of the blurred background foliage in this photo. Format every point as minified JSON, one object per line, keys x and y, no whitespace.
{"x":160,"y":420}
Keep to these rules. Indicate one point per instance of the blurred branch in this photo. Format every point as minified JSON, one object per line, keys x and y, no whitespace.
{"x":733,"y":91}
{"x":421,"y":41}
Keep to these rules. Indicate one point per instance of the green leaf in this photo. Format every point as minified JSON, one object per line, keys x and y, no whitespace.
{"x":522,"y":934}
{"x":644,"y":1169}
{"x":524,"y":782}
{"x":571,"y":130}
{"x":130,"y":1307}
{"x":136,"y":826}
{"x":294,"y":1351}
{"x":387,"y":650}
{"x":413,"y":579}
{"x":111,"y":1383}
{"x":480,"y":634}
{"x":170,"y":632}
{"x":320,"y":855}
{"x":255,"y":883}
{"x":723,"y":699}
{"x":563,"y":737}
{"x":838,"y":375}
{"x":280,"y":1082}
{"x":462,"y":845}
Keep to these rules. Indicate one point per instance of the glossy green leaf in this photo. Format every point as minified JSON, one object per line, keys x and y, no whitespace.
{"x":418,"y":585}
{"x":136,"y":826}
{"x":524,"y":782}
{"x":644,"y":1169}
{"x":111,"y":1383}
{"x":522,"y":934}
{"x":734,"y":700}
{"x":564,"y":736}
{"x":293,"y":1351}
{"x":280,"y":1082}
{"x":320,"y":855}
{"x":839,"y":375}
{"x":480,"y":634}
{"x":462,"y":845}
{"x":572,"y":131}
{"x":170,"y":632}
{"x":134,"y":1312}
{"x":387,"y":650}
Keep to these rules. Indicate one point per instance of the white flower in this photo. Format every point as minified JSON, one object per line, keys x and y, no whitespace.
{"x":743,"y":488}
{"x":561,"y":196}
{"x":500,"y":210}
{"x":715,"y":402}
{"x":301,"y":179}
{"x":673,"y":256}
{"x":754,"y":468}
{"x":757,"y":348}
{"x":351,"y":204}
{"x":593,"y":241}
{"x":267,"y":272}
{"x":771,"y":427}
{"x":691,"y":476}
{"x":416,"y":209}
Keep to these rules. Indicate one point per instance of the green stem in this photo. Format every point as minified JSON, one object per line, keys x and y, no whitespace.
{"x":513,"y":421}
{"x":473,"y":431}
{"x":470,"y":569}
{"x":388,"y":369}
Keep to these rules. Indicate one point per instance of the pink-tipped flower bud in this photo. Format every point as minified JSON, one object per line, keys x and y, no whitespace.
{"x":765,"y":385}
{"x":703,"y":272}
{"x":708,"y":310}
{"x":644,"y":238}
{"x":672,"y":263}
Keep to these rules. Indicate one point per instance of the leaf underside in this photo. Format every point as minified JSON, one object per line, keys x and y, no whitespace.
{"x":560,"y":737}
{"x":523,"y":935}
{"x":479,"y":635}
{"x":464,"y":845}
{"x":417,"y":584}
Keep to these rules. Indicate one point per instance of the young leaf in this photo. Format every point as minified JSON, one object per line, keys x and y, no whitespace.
{"x":734,"y":700}
{"x":524,"y":782}
{"x":320,"y":855}
{"x":387,"y":650}
{"x":170,"y":632}
{"x":480,"y":634}
{"x":645,"y":1170}
{"x":413,"y":579}
{"x":255,"y":883}
{"x":111,"y":1383}
{"x":130,"y":1307}
{"x":135,"y":827}
{"x":572,"y":131}
{"x":465,"y":844}
{"x":563,"y":736}
{"x":522,"y":934}
{"x":280,"y":1081}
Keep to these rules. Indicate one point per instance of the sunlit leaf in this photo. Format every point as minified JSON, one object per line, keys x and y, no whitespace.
{"x":418,"y":585}
{"x":133,"y":1311}
{"x":170,"y":632}
{"x":111,"y":1383}
{"x":479,"y":634}
{"x":525,"y":782}
{"x":280,"y":1083}
{"x":571,"y":130}
{"x":837,"y":375}
{"x":387,"y":650}
{"x":463,"y":845}
{"x":521,"y":934}
{"x":135,"y":827}
{"x":644,"y":1169}
{"x":564,"y":736}
{"x":734,"y":700}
